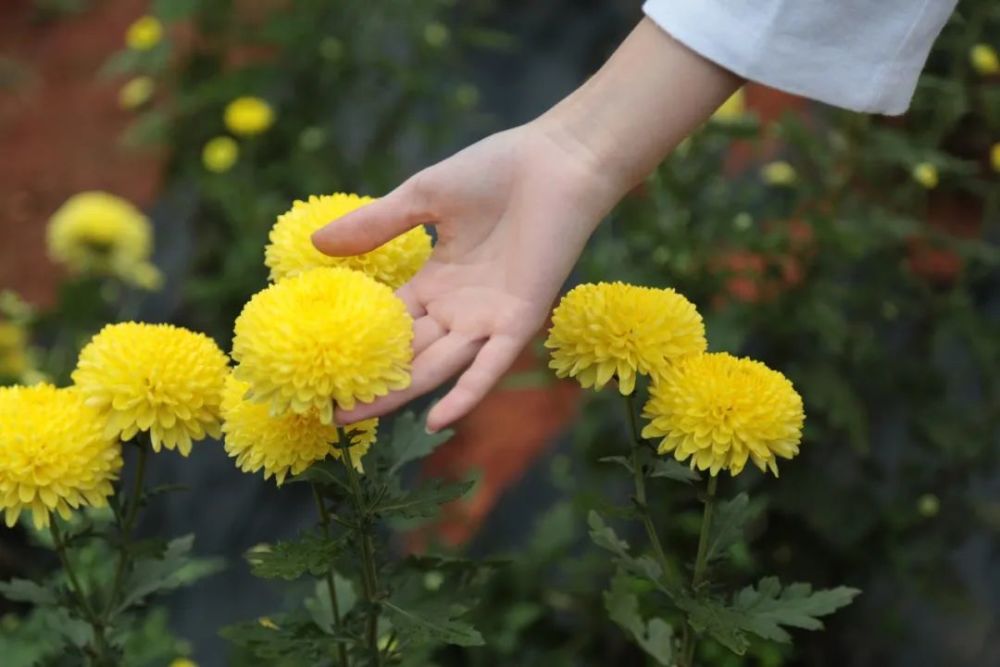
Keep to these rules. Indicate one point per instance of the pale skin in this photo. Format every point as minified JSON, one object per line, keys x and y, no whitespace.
{"x":514,"y":211}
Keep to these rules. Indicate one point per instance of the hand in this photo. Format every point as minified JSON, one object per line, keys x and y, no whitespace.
{"x":512,"y":213}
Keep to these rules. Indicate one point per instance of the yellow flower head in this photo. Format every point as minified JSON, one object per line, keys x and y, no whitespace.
{"x":732,"y":109}
{"x":330,"y":335}
{"x":183,"y":662}
{"x":600,"y":331}
{"x":136,"y":92}
{"x":995,"y":157}
{"x":984,"y":59}
{"x":718,"y":410}
{"x":285,"y":444}
{"x":54,"y":454}
{"x":145,"y":33}
{"x":220,"y":154}
{"x":247,"y":116}
{"x":13,"y":350}
{"x":778,"y":173}
{"x":291,"y":251}
{"x":99,"y":233}
{"x":157,"y":378}
{"x":926,"y":175}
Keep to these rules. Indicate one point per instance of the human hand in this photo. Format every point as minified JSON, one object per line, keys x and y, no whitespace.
{"x":512,"y":213}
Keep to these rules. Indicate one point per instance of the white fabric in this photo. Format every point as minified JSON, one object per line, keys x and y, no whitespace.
{"x":863,"y":55}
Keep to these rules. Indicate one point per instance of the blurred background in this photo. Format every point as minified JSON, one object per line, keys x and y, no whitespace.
{"x":857,"y":254}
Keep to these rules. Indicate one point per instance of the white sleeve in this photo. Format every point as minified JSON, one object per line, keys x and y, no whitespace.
{"x":864,"y":55}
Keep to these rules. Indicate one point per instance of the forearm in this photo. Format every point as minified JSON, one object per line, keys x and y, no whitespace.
{"x":651,"y":93}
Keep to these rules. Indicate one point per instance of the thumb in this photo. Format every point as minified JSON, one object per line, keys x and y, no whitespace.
{"x":370,"y":226}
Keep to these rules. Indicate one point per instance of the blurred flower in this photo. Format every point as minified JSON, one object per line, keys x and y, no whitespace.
{"x":145,"y":33}
{"x":99,"y":233}
{"x":928,"y":505}
{"x":157,"y":378}
{"x":136,"y":92}
{"x":606,"y":330}
{"x":183,"y":662}
{"x":720,"y":410}
{"x":266,"y":622}
{"x":291,"y":251}
{"x":13,"y":350}
{"x":778,"y":173}
{"x":312,"y":138}
{"x":467,"y":96}
{"x":926,"y":175}
{"x":995,"y":157}
{"x":984,"y":59}
{"x":56,"y":456}
{"x":436,"y":34}
{"x":732,"y":109}
{"x":247,"y":116}
{"x":331,"y":48}
{"x":284,"y":444}
{"x":330,"y":335}
{"x":220,"y":154}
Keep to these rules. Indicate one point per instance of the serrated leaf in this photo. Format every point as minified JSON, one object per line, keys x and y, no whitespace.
{"x":768,"y":608}
{"x":24,"y":590}
{"x":423,"y":501}
{"x":411,"y":441}
{"x":644,"y":567}
{"x":286,"y":639}
{"x":654,"y":637}
{"x":707,"y":616}
{"x":173,"y":569}
{"x":311,"y":553}
{"x":324,"y":473}
{"x":731,"y":517}
{"x":433,"y":623}
{"x":623,"y":461}
{"x":605,"y":536}
{"x":672,"y":469}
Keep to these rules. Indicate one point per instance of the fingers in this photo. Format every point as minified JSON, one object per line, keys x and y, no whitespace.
{"x":426,"y":331}
{"x":492,"y":362}
{"x":372,"y":225}
{"x":441,"y":360}
{"x":408,"y":295}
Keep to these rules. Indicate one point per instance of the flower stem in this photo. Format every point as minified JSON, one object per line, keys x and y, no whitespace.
{"x":700,"y":563}
{"x":639,"y":479}
{"x":369,"y":574}
{"x":126,"y":526}
{"x":331,"y":584}
{"x":101,"y":645}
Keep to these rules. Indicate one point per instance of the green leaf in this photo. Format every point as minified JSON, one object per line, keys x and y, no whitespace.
{"x":175,"y":10}
{"x":654,"y":637}
{"x":433,"y":622}
{"x":644,"y":567}
{"x":731,"y":517}
{"x":311,"y":553}
{"x":24,"y":590}
{"x":411,"y":441}
{"x":423,"y":501}
{"x":319,"y":606}
{"x":288,"y":639}
{"x":768,"y":608}
{"x":605,"y":537}
{"x":711,"y":617}
{"x":324,"y":473}
{"x":173,"y":569}
{"x":673,"y":469}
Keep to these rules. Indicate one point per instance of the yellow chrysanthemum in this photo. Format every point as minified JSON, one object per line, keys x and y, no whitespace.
{"x":285,"y":444}
{"x":926,"y":175}
{"x":99,"y":233}
{"x":136,"y":92}
{"x":719,"y":410}
{"x":157,"y":378}
{"x":247,"y":116}
{"x":291,"y":251}
{"x":220,"y":154}
{"x":145,"y":33}
{"x":732,"y":109}
{"x":778,"y":173}
{"x":54,"y":454}
{"x":995,"y":157}
{"x":13,"y":350}
{"x":984,"y":59}
{"x":605,"y":330}
{"x":330,"y":335}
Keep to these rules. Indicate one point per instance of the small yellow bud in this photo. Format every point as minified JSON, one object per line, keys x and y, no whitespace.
{"x":136,"y":92}
{"x":928,"y":505}
{"x":436,"y":34}
{"x":926,"y":175}
{"x":220,"y":154}
{"x":778,"y":173}
{"x":144,"y":33}
{"x":995,"y":157}
{"x":984,"y":59}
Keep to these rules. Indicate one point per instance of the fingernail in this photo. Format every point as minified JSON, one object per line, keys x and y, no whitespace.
{"x":429,"y":431}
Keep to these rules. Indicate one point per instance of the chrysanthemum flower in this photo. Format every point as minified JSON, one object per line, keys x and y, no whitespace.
{"x":291,"y":251}
{"x":136,"y":92}
{"x":330,"y":335}
{"x":719,"y":410}
{"x":220,"y":154}
{"x":285,"y":444}
{"x":247,"y":116}
{"x":54,"y":454}
{"x":96,"y":232}
{"x":144,"y":33}
{"x":606,"y":330}
{"x":157,"y":378}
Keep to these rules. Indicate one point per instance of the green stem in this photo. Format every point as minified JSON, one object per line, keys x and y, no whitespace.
{"x":701,"y":563}
{"x":101,"y":645}
{"x":369,"y":575}
{"x":331,"y":584}
{"x":639,"y":479}
{"x":125,"y":529}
